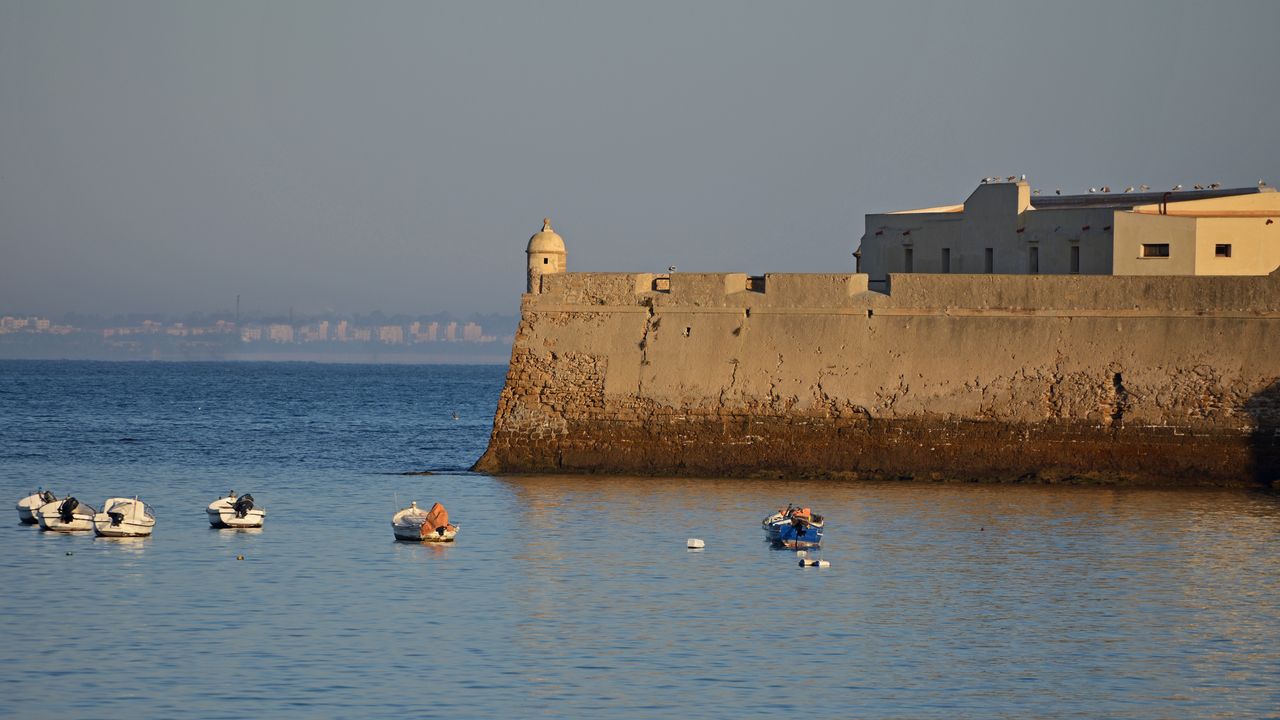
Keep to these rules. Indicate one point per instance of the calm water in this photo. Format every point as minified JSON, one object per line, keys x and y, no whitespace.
{"x":576,"y":596}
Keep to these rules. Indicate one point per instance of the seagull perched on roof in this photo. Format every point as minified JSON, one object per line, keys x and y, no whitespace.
{"x":1214,"y":186}
{"x":671,"y":269}
{"x":1093,"y":190}
{"x":1198,"y":186}
{"x":1058,"y":191}
{"x":1129,"y":189}
{"x":1178,"y":186}
{"x":1144,"y":188}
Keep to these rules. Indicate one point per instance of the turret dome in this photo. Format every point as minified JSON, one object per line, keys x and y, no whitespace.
{"x":546,"y":240}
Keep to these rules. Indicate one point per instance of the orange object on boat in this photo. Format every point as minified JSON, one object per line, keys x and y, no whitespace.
{"x":437,"y":517}
{"x":802,"y":514}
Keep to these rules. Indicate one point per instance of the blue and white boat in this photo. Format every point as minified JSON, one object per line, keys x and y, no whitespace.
{"x":795,"y":528}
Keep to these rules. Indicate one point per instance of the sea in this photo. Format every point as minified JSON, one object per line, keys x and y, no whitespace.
{"x":576,"y":596}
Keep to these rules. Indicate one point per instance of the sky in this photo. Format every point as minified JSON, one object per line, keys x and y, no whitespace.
{"x":350,"y":157}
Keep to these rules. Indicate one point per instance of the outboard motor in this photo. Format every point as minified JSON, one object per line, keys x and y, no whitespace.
{"x":47,"y":497}
{"x":67,"y":510}
{"x":116,"y":518}
{"x":243,"y":505}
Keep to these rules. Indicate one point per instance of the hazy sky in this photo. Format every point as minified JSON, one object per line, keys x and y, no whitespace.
{"x":358,"y":156}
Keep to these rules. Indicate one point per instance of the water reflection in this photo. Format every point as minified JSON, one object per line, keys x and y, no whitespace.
{"x":128,"y":545}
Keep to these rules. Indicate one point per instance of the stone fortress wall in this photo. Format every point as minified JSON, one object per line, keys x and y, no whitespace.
{"x":1171,"y":380}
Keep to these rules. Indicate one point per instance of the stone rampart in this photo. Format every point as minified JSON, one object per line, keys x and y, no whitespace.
{"x":987,"y":377}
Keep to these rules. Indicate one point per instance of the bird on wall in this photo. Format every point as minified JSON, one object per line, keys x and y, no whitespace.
{"x":1262,"y":183}
{"x":1214,"y":186}
{"x":1058,"y":191}
{"x":1178,"y":186}
{"x":1011,"y":178}
{"x":1198,"y":187}
{"x":1093,"y":190}
{"x":1144,"y":188}
{"x":1270,"y":221}
{"x":1035,"y":192}
{"x":671,"y":269}
{"x":1129,"y":189}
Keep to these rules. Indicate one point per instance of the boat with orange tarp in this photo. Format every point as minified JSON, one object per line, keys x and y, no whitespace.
{"x":418,"y":525}
{"x":794,"y":527}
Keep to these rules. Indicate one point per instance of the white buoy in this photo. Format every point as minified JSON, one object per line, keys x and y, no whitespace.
{"x":805,"y":562}
{"x":696,"y":544}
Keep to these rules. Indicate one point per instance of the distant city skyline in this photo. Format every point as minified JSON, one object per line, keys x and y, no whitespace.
{"x":317,"y":337}
{"x":321,"y":155}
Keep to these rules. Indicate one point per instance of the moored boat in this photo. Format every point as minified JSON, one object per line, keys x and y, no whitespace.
{"x":793,"y":527}
{"x":66,"y":515}
{"x":418,"y":525}
{"x":28,"y":505}
{"x":235,"y":512}
{"x":124,"y":517}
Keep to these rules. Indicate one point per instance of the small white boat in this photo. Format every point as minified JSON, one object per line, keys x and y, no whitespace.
{"x":235,"y":512}
{"x":124,"y":517}
{"x":66,"y":515}
{"x":418,"y":525}
{"x":28,"y":505}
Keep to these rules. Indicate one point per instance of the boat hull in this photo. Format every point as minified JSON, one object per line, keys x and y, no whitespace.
{"x":27,"y":516}
{"x":49,"y":519}
{"x":781,"y":530}
{"x":28,"y":506}
{"x":103,"y":527}
{"x":793,"y":538}
{"x":131,"y":518}
{"x":413,"y":533}
{"x":222,"y":514}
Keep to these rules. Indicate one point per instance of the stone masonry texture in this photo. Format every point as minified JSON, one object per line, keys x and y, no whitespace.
{"x":1137,"y":380}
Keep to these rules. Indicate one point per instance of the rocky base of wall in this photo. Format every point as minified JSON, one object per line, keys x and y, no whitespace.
{"x":922,"y":449}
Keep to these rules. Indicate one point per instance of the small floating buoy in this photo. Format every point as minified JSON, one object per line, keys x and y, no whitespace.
{"x":805,"y":562}
{"x":239,"y":557}
{"x":696,"y":544}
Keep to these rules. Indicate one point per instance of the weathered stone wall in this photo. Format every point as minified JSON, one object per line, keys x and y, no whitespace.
{"x":1164,"y":380}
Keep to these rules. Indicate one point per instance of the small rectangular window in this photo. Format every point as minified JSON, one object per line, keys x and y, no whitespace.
{"x":907,"y":260}
{"x":989,"y":261}
{"x":946,"y":260}
{"x":1222,"y":250}
{"x":1075,"y":259}
{"x":1155,"y":250}
{"x":1033,"y":260}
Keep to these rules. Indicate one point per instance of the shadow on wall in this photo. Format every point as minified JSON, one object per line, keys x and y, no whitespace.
{"x":1264,"y":408}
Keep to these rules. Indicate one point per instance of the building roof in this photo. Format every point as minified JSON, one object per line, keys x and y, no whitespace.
{"x":1125,"y":201}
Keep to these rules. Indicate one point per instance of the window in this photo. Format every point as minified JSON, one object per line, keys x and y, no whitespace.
{"x":989,"y":261}
{"x":1222,"y":250}
{"x":1033,"y":260}
{"x":546,"y":260}
{"x":1155,"y":250}
{"x":906,"y":259}
{"x":1075,"y":259}
{"x":946,"y":260}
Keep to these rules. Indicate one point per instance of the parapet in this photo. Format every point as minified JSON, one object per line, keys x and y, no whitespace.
{"x":702,"y":289}
{"x":1154,"y":293}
